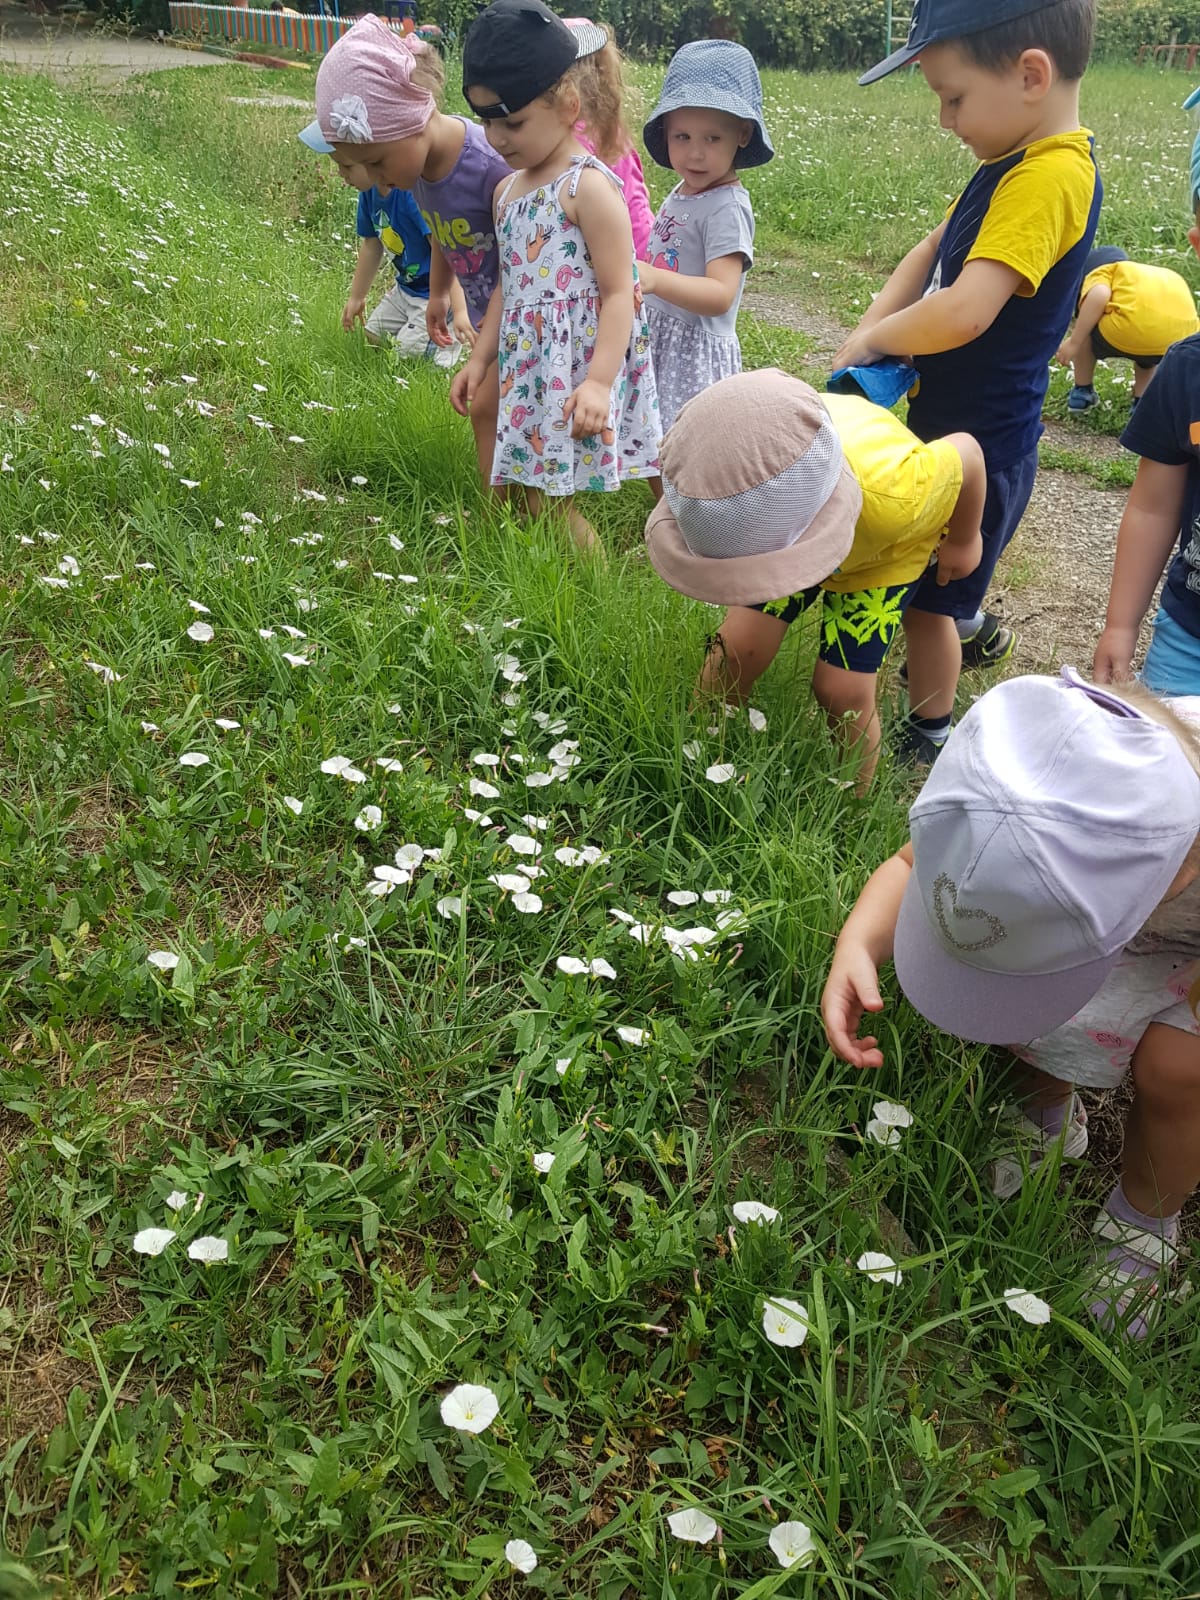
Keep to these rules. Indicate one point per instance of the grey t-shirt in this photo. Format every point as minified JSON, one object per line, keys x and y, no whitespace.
{"x":691,"y":230}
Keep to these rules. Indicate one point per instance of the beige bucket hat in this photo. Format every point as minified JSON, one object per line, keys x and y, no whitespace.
{"x":758,"y":501}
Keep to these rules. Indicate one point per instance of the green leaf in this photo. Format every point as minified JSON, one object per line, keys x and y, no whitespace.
{"x":323,"y":1485}
{"x":181,"y":978}
{"x":1011,"y":1484}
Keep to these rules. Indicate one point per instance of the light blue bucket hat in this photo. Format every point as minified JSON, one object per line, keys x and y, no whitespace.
{"x":712,"y":75}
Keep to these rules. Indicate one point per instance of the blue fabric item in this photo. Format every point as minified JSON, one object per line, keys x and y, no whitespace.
{"x":1008,"y":492}
{"x":315,"y":139}
{"x":884,"y":382}
{"x":712,"y":75}
{"x":1194,"y":100}
{"x":1104,"y":255}
{"x":935,"y":20}
{"x":1173,"y":659}
{"x":1166,"y":428}
{"x":396,"y":220}
{"x":995,"y":386}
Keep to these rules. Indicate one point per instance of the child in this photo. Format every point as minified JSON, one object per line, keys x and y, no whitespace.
{"x":1048,"y":898}
{"x":1163,"y":510}
{"x":774,"y":499}
{"x":982,"y":303}
{"x":392,"y":222}
{"x":600,"y":79}
{"x":708,"y":124}
{"x":378,"y":117}
{"x":1126,"y":312}
{"x":578,"y":407}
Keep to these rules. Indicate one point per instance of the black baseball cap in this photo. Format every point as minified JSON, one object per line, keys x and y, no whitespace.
{"x":934,"y":21}
{"x":519,"y":49}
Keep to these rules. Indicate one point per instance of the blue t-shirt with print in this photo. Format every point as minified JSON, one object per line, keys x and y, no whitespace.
{"x":1165,"y":427}
{"x":396,"y":219}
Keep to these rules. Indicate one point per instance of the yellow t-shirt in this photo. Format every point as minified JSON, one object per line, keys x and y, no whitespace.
{"x":909,"y":490}
{"x":1149,"y":308}
{"x":1039,"y":207}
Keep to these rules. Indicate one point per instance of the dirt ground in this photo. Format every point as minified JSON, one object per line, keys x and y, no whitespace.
{"x":1052,"y":583}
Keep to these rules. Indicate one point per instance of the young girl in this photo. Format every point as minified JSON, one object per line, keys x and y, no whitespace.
{"x":707,"y":125}
{"x":378,"y":117}
{"x":1050,"y":901}
{"x":577,"y":398}
{"x":600,"y":79}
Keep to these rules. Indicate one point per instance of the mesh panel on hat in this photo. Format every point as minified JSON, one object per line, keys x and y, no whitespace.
{"x":768,"y":516}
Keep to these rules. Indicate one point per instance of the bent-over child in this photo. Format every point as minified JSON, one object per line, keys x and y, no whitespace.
{"x":1048,"y":901}
{"x":389,"y":222}
{"x":775,"y":499}
{"x":1127,"y":311}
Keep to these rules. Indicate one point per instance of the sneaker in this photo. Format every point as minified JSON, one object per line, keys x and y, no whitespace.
{"x":914,"y":748}
{"x":1081,"y":399}
{"x":1030,"y":1144}
{"x":990,"y":644}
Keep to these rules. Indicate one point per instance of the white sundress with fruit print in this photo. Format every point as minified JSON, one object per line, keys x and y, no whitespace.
{"x":547,"y":337}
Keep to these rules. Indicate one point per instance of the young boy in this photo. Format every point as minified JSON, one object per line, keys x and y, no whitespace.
{"x":1162,"y":512}
{"x":390,"y":221}
{"x":982,"y":303}
{"x":1126,"y":312}
{"x":774,"y":497}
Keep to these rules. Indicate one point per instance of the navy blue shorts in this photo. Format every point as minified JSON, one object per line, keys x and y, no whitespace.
{"x":1008,"y":493}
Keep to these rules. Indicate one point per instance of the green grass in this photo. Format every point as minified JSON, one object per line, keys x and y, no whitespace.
{"x":358,"y":1085}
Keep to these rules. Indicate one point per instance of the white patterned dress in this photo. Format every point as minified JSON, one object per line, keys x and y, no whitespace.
{"x":547,"y":339}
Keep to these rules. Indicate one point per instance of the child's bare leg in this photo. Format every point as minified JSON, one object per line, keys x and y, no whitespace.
{"x":656,"y":488}
{"x":1085,"y":366}
{"x":934,"y":654}
{"x":1035,"y":1090}
{"x":485,"y":410}
{"x":741,"y":650}
{"x":1160,"y":1166}
{"x":584,"y":535}
{"x":848,"y":699}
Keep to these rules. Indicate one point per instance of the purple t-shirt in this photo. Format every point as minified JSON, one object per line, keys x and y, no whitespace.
{"x":458,"y":209}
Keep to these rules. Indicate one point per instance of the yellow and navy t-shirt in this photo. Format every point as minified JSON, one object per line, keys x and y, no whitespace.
{"x":1034,"y":210}
{"x":1148,"y":310}
{"x":909,"y":490}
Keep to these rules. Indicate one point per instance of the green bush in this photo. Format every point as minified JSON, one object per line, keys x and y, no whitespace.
{"x":781,"y":33}
{"x":1123,"y":25}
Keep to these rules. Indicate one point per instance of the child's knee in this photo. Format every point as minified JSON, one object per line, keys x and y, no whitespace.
{"x":1166,"y":1067}
{"x":840,"y":693}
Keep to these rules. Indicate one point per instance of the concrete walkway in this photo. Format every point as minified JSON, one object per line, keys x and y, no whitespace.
{"x":74,"y":54}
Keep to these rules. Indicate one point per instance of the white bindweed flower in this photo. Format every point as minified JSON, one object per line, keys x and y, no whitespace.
{"x":510,"y":882}
{"x":295,"y":660}
{"x":485,"y":758}
{"x":757,"y":721}
{"x":293,"y":805}
{"x":792,"y":1544}
{"x":754,"y":1211}
{"x":539,"y":780}
{"x":368,"y":819}
{"x":470,"y":1407}
{"x":69,"y":567}
{"x":386,"y":873}
{"x":201,"y":609}
{"x":177,"y":1199}
{"x":357,"y":480}
{"x":352,"y":775}
{"x":717,"y":897}
{"x":209,"y":1249}
{"x":150,"y":727}
{"x":683,"y":897}
{"x":293,"y":633}
{"x":481,"y":817}
{"x":105,"y":674}
{"x":878,"y":1267}
{"x":720,"y":772}
{"x":785,"y":1323}
{"x":522,"y":845}
{"x":266,"y":633}
{"x":521,"y":1556}
{"x":630,"y":1035}
{"x":152,"y":1241}
{"x":530,"y":904}
{"x":599,"y":968}
{"x":164,"y":960}
{"x":201,"y":632}
{"x":693,"y":1525}
{"x":544,"y":1160}
{"x":193,"y":758}
{"x":692,"y":750}
{"x":894,"y":1115}
{"x":561,"y":1065}
{"x":226,"y":724}
{"x":883,"y":1133}
{"x":484,"y":790}
{"x":1028,"y":1306}
{"x":334,"y":766}
{"x":396,"y":544}
{"x":389,"y":764}
{"x":571,"y":966}
{"x":409,"y":856}
{"x":449,"y":906}
{"x":537,"y":824}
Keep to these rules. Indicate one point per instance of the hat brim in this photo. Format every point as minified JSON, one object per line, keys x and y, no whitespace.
{"x":752,"y":580}
{"x":904,"y":57}
{"x":315,"y":139}
{"x":589,"y":36}
{"x":756,"y":153}
{"x":984,"y":1007}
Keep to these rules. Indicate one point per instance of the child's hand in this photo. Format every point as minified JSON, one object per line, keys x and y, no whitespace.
{"x":465,"y":332}
{"x":959,"y":560}
{"x":463,"y":386}
{"x":437,"y":326}
{"x":851,"y":988}
{"x":354,"y":311}
{"x":857,"y":351}
{"x":587,"y":409}
{"x":1065,"y":354}
{"x":1113,"y":660}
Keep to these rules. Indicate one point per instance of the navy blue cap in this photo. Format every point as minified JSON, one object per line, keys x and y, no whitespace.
{"x":934,"y":21}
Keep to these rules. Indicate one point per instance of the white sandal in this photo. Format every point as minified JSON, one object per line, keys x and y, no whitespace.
{"x":1125,"y":1295}
{"x":1031,"y":1145}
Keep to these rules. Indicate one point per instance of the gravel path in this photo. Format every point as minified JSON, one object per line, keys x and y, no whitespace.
{"x":1052,"y":583}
